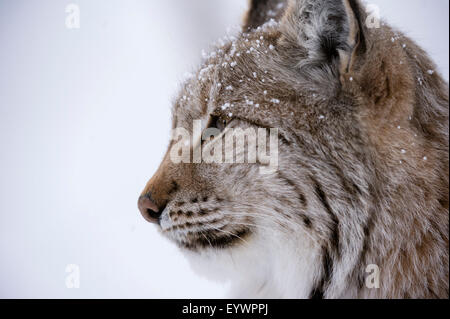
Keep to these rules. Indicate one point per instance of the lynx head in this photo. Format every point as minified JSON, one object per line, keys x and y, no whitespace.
{"x":337,"y":95}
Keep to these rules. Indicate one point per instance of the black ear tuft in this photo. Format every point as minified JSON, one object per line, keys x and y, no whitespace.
{"x":356,"y":8}
{"x":261,"y":11}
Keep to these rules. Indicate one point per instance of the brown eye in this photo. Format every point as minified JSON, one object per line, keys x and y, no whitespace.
{"x":218,"y":122}
{"x":222,"y":124}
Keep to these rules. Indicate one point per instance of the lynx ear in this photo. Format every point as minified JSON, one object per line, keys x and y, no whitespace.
{"x":329,"y":32}
{"x":261,"y":11}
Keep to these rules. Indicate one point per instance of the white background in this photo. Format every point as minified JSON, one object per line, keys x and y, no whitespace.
{"x":84,"y":122}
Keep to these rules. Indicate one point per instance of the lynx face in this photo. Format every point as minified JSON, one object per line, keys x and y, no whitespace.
{"x":351,"y":138}
{"x":222,"y":205}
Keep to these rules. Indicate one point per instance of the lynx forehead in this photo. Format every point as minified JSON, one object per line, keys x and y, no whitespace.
{"x":361,"y":116}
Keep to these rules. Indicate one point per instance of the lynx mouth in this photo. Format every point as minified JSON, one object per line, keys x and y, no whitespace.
{"x":216,"y":240}
{"x":198,"y":236}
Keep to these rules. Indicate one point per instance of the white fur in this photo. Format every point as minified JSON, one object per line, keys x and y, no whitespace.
{"x":267,"y":266}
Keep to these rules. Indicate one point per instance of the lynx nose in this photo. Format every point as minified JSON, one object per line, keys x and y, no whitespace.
{"x":148,"y":209}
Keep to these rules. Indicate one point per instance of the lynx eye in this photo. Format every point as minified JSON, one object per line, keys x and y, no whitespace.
{"x":218,"y":122}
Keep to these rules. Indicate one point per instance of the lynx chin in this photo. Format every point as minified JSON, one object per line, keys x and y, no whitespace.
{"x":362,"y":172}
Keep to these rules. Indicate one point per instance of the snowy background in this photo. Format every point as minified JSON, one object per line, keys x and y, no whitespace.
{"x":84,"y":122}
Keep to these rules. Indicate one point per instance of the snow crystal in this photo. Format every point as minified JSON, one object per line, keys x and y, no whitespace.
{"x":255,"y":75}
{"x":233,"y":64}
{"x":225,"y":106}
{"x":321,"y":117}
{"x":351,"y":79}
{"x":271,"y":13}
{"x":265,"y":92}
{"x":271,"y":47}
{"x":403,"y":46}
{"x":430,"y":72}
{"x":276,"y":101}
{"x":269,"y":24}
{"x":230,"y":114}
{"x":229,"y":88}
{"x":403,"y":151}
{"x":425,"y":158}
{"x":205,"y":70}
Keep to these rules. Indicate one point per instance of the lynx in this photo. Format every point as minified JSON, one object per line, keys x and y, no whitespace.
{"x":358,"y":206}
